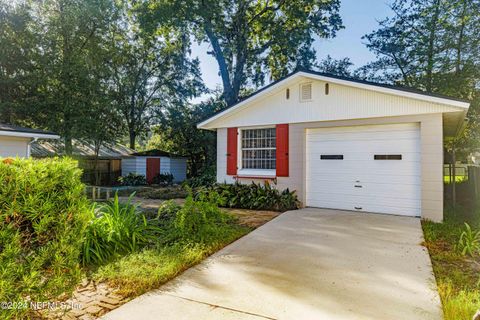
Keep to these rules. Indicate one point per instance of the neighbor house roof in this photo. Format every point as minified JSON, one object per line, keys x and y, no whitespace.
{"x":16,"y":131}
{"x":155,"y":153}
{"x":81,"y":149}
{"x":353,"y":82}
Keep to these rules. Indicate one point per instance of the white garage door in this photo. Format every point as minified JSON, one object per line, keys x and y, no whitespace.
{"x":365,"y":168}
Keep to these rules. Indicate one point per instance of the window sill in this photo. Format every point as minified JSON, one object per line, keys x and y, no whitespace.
{"x":256,"y":174}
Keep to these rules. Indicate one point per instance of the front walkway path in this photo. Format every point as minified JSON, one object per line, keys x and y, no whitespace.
{"x":306,"y":264}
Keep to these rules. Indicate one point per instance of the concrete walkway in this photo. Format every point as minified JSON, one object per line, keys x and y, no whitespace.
{"x":306,"y":264}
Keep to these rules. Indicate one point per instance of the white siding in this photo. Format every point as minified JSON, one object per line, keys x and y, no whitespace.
{"x":165,"y":165}
{"x":129,"y":165}
{"x":343,"y":102}
{"x":178,"y":167}
{"x":13,"y":146}
{"x":431,"y":136}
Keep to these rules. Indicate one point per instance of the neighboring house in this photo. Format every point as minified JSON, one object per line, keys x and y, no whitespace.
{"x":16,"y":141}
{"x":152,"y":162}
{"x":341,"y":143}
{"x":102,"y":170}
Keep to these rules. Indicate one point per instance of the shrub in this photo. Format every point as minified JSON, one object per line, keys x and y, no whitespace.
{"x":132,"y":179}
{"x":166,"y":193}
{"x":255,"y":196}
{"x":207,"y":179}
{"x":200,"y":220}
{"x":168,"y":210}
{"x":116,"y":229}
{"x":469,"y":242}
{"x":164,"y":179}
{"x":43,"y":215}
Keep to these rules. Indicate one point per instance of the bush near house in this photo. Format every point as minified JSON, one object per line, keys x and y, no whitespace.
{"x":163,"y":179}
{"x":43,"y":215}
{"x":132,"y":179}
{"x":254,"y":196}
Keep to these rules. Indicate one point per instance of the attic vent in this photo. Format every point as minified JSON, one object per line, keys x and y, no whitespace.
{"x":305,"y":92}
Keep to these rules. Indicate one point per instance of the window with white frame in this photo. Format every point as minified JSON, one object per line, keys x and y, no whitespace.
{"x":259,"y":148}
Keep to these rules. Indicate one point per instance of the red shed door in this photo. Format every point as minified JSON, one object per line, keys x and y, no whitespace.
{"x":153,"y":168}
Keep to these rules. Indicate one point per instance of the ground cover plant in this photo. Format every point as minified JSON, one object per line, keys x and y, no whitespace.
{"x":132,"y":179}
{"x":43,"y":214}
{"x":116,"y":229}
{"x":457,"y":270}
{"x":189,"y":234}
{"x":163,"y":193}
{"x":254,"y":196}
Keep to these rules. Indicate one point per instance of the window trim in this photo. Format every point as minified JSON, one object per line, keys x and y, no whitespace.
{"x":248,"y":171}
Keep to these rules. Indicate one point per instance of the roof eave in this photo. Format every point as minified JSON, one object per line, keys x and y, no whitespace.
{"x":28,"y":134}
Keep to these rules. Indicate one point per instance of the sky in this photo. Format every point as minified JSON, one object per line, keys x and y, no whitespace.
{"x":359,"y":18}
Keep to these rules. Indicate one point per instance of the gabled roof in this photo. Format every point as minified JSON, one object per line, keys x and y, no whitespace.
{"x":11,"y":130}
{"x":155,"y":153}
{"x":81,"y":149}
{"x":353,"y":82}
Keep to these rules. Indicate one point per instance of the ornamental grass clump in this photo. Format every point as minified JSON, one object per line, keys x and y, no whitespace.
{"x":43,"y":216}
{"x":116,"y":229}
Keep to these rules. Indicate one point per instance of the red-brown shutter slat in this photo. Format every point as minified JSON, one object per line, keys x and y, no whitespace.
{"x":282,"y":150}
{"x":232,"y":141}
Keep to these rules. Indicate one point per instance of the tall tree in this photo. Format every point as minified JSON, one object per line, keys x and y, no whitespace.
{"x":432,"y":45}
{"x":249,"y":38}
{"x":70,"y":62}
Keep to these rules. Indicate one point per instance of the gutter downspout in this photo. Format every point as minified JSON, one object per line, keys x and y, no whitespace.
{"x":29,"y":146}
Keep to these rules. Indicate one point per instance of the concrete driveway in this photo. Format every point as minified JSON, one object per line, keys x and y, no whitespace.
{"x":306,"y":264}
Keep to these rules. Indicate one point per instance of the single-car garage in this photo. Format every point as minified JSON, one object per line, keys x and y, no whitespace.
{"x":341,"y":143}
{"x":365,"y":168}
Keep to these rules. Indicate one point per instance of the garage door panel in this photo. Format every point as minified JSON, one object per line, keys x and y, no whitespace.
{"x":388,"y":186}
{"x":362,"y":136}
{"x":378,"y":190}
{"x":372,"y":146}
{"x":359,"y":156}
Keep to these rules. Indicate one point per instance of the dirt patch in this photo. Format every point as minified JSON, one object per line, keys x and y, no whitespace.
{"x":252,"y":218}
{"x":150,"y":205}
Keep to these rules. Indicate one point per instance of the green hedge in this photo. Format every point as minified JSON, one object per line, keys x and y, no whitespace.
{"x":43,"y":215}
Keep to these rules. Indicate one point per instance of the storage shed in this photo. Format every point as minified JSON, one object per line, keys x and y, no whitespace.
{"x":152,"y":162}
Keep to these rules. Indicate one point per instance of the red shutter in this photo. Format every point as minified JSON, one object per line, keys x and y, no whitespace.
{"x":232,"y":141}
{"x":282,"y":150}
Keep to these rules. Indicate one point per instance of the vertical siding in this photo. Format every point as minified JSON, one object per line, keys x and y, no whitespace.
{"x":13,"y":146}
{"x":342,"y":102}
{"x":178,"y":167}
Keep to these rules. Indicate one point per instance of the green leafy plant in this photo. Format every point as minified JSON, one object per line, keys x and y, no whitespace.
{"x":116,"y":229}
{"x":43,"y":216}
{"x":469,"y":242}
{"x":132,"y":179}
{"x":200,"y":220}
{"x":254,"y":196}
{"x":207,"y":179}
{"x":165,"y":193}
{"x":164,"y":179}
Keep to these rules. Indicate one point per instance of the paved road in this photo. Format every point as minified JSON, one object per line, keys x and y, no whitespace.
{"x":306,"y":264}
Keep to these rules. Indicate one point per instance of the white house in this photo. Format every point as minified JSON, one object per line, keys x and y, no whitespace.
{"x":341,"y":143}
{"x":16,"y":141}
{"x":152,"y":162}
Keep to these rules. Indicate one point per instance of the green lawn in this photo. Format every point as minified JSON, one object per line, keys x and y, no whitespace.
{"x":446,"y":179}
{"x":143,"y":271}
{"x":458,"y":277}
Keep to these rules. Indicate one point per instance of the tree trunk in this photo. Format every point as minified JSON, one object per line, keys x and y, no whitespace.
{"x":132,"y":136}
{"x":68,"y":142}
{"x":431,"y":47}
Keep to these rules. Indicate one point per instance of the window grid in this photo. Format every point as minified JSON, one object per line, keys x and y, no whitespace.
{"x":259,"y":148}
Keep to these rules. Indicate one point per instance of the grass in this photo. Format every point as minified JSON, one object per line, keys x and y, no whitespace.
{"x":458,"y":276}
{"x":446,"y":179}
{"x":137,"y":273}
